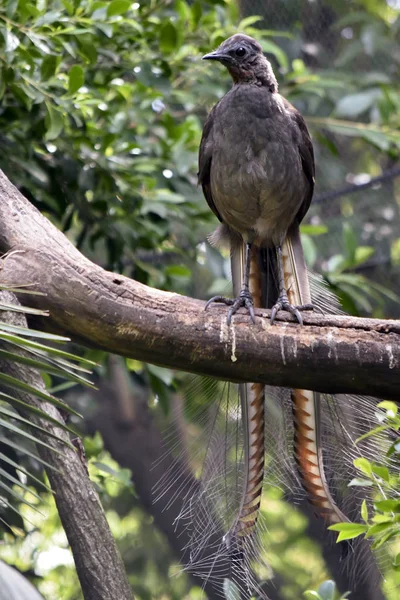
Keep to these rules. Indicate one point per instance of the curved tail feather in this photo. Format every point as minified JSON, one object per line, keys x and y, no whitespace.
{"x":223,"y":509}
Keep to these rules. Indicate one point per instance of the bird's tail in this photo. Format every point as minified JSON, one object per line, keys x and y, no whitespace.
{"x":307,"y":404}
{"x":253,"y":437}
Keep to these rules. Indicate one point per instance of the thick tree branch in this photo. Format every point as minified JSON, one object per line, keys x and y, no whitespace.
{"x":109,"y":311}
{"x":98,"y":563}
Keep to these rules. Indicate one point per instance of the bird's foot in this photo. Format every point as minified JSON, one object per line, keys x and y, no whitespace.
{"x":244,"y":299}
{"x":284,"y":304}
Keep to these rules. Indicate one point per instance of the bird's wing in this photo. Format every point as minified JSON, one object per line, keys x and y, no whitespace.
{"x":307,"y":157}
{"x":205,"y":160}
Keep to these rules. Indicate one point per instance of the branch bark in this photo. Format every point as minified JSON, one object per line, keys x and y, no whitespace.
{"x":98,"y":563}
{"x":101,"y":309}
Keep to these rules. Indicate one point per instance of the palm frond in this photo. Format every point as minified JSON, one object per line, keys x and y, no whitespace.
{"x":20,"y":345}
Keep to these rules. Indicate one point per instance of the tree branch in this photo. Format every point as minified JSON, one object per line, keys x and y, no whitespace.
{"x":98,"y":563}
{"x":98,"y":308}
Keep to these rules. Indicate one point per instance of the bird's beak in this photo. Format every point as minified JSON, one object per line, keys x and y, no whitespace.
{"x":220,"y":56}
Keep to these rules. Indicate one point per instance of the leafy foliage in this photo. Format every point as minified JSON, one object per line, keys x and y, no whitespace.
{"x":383,"y":525}
{"x":101,"y":109}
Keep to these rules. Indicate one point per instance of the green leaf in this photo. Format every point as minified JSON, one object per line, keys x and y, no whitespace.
{"x":88,"y":52}
{"x":17,"y":417}
{"x":314,"y":229}
{"x":378,"y":528}
{"x":178,"y":271}
{"x":381,"y":472}
{"x":327,"y":590}
{"x":372,"y":433}
{"x":106,"y":28}
{"x":272,"y":48}
{"x":348,"y":531}
{"x":380,"y":540}
{"x":395,"y":252}
{"x":50,"y":16}
{"x":54,"y":122}
{"x":49,"y":66}
{"x":40,"y":43}
{"x":13,"y":382}
{"x":390,"y":407}
{"x":396,"y":560}
{"x":118,"y":7}
{"x":312,"y":595}
{"x":40,"y":413}
{"x":380,"y":140}
{"x":364,"y":511}
{"x":6,"y":459}
{"x":19,"y":448}
{"x":25,"y":434}
{"x":122,"y":475}
{"x":23,"y":309}
{"x":12,"y":6}
{"x":11,"y":41}
{"x":5,"y":475}
{"x":248,"y":21}
{"x":363,"y":465}
{"x":45,"y":366}
{"x":363,"y":253}
{"x":358,"y":482}
{"x":168,"y":38}
{"x":197,"y":11}
{"x":166,"y":375}
{"x":17,"y":496}
{"x":350,"y":242}
{"x":76,"y":79}
{"x":32,"y":333}
{"x":354,"y":105}
{"x":69,"y":5}
{"x":388,"y":506}
{"x":309,"y":249}
{"x":48,"y":349}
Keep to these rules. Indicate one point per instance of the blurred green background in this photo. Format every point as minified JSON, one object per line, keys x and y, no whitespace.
{"x":101,"y":111}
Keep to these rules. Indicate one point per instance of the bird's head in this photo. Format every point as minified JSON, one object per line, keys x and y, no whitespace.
{"x":243,"y":56}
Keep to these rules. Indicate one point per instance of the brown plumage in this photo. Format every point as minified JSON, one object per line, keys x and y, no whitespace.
{"x":256,"y":160}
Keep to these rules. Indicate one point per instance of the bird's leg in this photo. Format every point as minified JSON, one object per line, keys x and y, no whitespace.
{"x":283,"y":301}
{"x":245,"y":298}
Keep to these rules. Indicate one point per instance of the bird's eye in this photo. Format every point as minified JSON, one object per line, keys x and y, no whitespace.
{"x":240,"y":51}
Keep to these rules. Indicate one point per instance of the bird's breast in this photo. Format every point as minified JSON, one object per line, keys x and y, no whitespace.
{"x":257,"y":179}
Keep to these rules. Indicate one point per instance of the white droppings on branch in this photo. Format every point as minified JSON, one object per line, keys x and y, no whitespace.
{"x":392,"y":360}
{"x":282,"y":344}
{"x":233,"y":354}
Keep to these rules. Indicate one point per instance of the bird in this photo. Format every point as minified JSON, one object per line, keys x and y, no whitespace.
{"x":257,"y":172}
{"x":256,"y":166}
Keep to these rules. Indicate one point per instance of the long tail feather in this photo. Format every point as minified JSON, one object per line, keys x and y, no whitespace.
{"x":309,"y":438}
{"x":307,"y":404}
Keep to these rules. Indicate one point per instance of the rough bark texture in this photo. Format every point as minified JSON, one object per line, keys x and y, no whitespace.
{"x":98,"y":563}
{"x":109,"y":311}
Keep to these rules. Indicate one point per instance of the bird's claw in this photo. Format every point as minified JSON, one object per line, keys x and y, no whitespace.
{"x":244,"y":299}
{"x":284,"y":304}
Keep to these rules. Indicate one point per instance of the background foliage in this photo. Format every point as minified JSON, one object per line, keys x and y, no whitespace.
{"x":101,"y":110}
